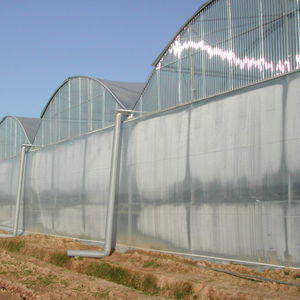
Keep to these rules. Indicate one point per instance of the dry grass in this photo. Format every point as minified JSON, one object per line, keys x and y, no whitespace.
{"x":155,"y":275}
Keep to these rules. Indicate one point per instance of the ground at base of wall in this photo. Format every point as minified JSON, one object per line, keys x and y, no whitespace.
{"x":37,"y":267}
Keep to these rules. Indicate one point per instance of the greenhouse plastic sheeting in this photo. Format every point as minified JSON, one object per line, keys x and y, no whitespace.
{"x":217,"y":177}
{"x":9,"y":172}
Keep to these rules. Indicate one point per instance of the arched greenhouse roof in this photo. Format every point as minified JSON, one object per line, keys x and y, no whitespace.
{"x":125,"y":93}
{"x":225,"y":45}
{"x":83,"y":104}
{"x":182,"y":28}
{"x":29,"y":125}
{"x":14,"y":132}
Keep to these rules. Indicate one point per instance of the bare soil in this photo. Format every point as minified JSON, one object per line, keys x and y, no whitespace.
{"x":37,"y":267}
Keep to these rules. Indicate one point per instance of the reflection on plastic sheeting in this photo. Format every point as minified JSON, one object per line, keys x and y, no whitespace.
{"x":240,"y":138}
{"x":165,"y":222}
{"x":160,"y":155}
{"x":9,"y":171}
{"x":86,"y":223}
{"x":245,"y":230}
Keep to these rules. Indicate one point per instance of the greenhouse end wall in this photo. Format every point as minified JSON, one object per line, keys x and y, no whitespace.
{"x":218,"y":177}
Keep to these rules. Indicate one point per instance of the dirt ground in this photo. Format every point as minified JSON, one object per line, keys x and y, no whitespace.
{"x":37,"y":267}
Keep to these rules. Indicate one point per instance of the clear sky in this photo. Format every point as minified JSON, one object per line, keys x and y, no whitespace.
{"x":44,"y":42}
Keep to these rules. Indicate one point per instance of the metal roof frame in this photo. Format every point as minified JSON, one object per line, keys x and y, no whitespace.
{"x":182,"y":28}
{"x":108,"y":85}
{"x":29,"y":126}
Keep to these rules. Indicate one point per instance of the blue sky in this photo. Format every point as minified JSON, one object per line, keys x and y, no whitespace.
{"x":44,"y":42}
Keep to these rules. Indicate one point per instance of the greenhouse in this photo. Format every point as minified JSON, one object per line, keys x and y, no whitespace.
{"x":204,"y":157}
{"x":226,"y":45}
{"x":83,"y":104}
{"x":15,"y":131}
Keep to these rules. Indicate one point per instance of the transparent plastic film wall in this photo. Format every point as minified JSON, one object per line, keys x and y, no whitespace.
{"x":66,"y":186}
{"x":219,"y":177}
{"x":226,"y":45}
{"x":9,"y":172}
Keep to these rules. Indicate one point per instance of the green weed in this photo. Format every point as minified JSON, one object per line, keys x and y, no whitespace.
{"x":102,"y":295}
{"x":149,"y":284}
{"x":65,"y":283}
{"x":3,"y":273}
{"x":151,"y":264}
{"x":15,"y":246}
{"x":109,"y":272}
{"x":59,"y":259}
{"x":41,"y":281}
{"x":46,"y":280}
{"x":183,"y":291}
{"x":27,"y":272}
{"x":122,"y":276}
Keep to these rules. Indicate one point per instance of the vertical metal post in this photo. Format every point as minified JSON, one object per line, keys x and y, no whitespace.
{"x":230,"y":39}
{"x":130,"y":203}
{"x":203,"y":60}
{"x":90,"y":102}
{"x":290,"y":188}
{"x":298,"y":26}
{"x":114,"y":171}
{"x":69,"y":112}
{"x":192,"y":68}
{"x":79,"y":107}
{"x":261,"y":25}
{"x":159,"y":106}
{"x":20,"y":191}
{"x":113,"y":181}
{"x":179,"y":81}
{"x":103,"y":107}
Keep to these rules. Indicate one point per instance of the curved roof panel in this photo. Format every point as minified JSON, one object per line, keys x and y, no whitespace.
{"x":157,"y":60}
{"x":125,"y":93}
{"x":29,"y":125}
{"x":15,"y":131}
{"x":224,"y":46}
{"x":83,"y":104}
